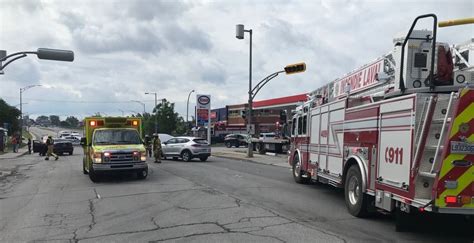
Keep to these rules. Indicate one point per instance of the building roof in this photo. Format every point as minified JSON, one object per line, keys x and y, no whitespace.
{"x":280,"y":102}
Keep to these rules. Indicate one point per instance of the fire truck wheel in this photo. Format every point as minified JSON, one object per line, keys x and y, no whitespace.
{"x":356,"y":201}
{"x":297,"y":172}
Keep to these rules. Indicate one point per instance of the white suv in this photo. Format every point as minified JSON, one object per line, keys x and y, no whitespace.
{"x":186,"y":148}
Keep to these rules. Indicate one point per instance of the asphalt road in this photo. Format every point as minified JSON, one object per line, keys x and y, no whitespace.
{"x":220,"y":200}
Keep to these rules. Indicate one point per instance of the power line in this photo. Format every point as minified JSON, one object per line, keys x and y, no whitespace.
{"x":76,"y":101}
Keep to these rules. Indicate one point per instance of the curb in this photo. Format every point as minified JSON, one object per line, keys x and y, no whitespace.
{"x":251,"y":161}
{"x":17,"y":156}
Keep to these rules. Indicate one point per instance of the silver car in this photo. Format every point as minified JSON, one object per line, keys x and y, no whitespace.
{"x":186,"y":148}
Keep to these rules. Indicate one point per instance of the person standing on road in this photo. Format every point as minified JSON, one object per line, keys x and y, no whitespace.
{"x":148,"y":146}
{"x":14,"y":142}
{"x":29,"y":145}
{"x":157,"y":148}
{"x":50,"y":145}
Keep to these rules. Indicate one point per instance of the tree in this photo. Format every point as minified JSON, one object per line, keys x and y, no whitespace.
{"x":9,"y":115}
{"x":43,"y":120}
{"x":169,"y":121}
{"x":55,"y":120}
{"x":72,"y":121}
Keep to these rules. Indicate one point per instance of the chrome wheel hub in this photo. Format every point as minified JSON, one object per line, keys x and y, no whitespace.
{"x":354,"y":190}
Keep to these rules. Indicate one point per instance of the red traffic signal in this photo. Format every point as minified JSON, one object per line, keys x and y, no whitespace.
{"x":295,"y":68}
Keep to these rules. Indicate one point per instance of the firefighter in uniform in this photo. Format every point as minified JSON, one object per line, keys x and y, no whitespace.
{"x":50,"y":145}
{"x":148,"y":147}
{"x":157,"y":148}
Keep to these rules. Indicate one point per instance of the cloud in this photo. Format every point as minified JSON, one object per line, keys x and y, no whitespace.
{"x":125,"y":48}
{"x":160,"y":9}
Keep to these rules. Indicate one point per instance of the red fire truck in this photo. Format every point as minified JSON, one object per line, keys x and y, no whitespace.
{"x":398,"y":133}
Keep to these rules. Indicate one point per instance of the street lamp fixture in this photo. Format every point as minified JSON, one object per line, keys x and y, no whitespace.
{"x":41,"y":53}
{"x":187,"y":110}
{"x":156,"y":110}
{"x":21,"y":106}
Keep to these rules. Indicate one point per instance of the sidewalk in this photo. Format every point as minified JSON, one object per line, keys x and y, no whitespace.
{"x":21,"y":151}
{"x":241,"y":154}
{"x":10,"y":155}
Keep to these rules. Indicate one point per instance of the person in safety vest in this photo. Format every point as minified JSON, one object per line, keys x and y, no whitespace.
{"x":148,"y":146}
{"x":50,"y":145}
{"x":157,"y":148}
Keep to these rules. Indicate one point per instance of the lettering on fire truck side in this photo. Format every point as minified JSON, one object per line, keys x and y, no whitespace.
{"x":394,"y":155}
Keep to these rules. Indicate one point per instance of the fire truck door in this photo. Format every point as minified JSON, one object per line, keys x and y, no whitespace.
{"x":395,"y":142}
{"x":323,"y":138}
{"x":315,"y":123}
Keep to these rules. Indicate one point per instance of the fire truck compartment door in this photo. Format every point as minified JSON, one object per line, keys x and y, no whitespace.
{"x":395,"y":143}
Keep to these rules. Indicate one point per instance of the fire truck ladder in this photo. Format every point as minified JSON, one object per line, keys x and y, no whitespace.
{"x":436,"y":119}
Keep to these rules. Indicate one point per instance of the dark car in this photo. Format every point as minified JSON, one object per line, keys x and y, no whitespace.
{"x":235,"y":140}
{"x":61,"y":146}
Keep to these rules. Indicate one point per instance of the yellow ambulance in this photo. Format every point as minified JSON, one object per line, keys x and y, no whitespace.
{"x":113,"y":144}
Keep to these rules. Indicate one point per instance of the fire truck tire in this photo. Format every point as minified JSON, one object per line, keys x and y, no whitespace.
{"x":297,"y":172}
{"x":356,"y":200}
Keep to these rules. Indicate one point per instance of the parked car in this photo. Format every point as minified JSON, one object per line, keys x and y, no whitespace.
{"x":186,"y":148}
{"x":164,"y":137}
{"x":61,"y":146}
{"x":236,"y":140}
{"x":73,"y":139}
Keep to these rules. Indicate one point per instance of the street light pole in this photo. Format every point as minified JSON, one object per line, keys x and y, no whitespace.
{"x":21,"y":107}
{"x":156,"y":110}
{"x":187,"y":111}
{"x":240,"y":35}
{"x":139,"y":102}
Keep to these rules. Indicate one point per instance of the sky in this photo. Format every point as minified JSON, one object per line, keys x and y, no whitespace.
{"x":126,"y":48}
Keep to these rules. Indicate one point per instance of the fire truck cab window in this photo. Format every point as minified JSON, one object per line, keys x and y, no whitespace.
{"x":293,"y":127}
{"x":305,"y":122}
{"x":300,"y":125}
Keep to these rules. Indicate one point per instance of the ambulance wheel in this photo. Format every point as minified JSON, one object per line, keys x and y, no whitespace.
{"x":297,"y":172}
{"x":356,"y":200}
{"x":142,"y":174}
{"x":84,"y":171}
{"x":93,"y":175}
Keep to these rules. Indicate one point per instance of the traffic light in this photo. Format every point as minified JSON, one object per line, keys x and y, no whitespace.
{"x":295,"y":68}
